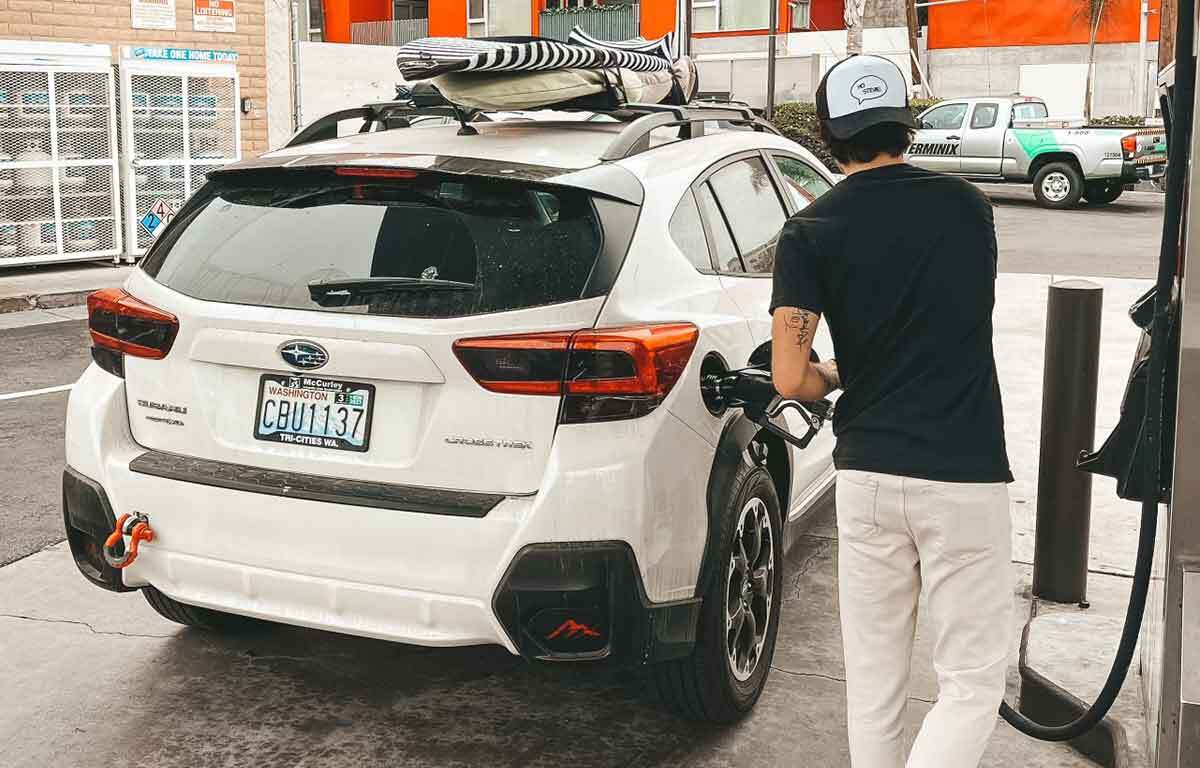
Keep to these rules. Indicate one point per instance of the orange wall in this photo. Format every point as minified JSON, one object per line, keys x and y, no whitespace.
{"x":827,"y":15}
{"x":658,"y":18}
{"x":448,"y":18}
{"x":978,"y":23}
{"x":340,"y":14}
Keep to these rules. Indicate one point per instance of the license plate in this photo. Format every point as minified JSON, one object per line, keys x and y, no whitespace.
{"x":306,"y":410}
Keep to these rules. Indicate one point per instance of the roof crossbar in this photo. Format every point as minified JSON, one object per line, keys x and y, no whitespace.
{"x":635,"y":137}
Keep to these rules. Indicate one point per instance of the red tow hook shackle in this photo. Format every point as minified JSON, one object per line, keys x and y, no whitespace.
{"x":137,"y":528}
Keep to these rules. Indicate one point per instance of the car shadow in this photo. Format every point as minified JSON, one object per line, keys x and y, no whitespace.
{"x":1001,"y":200}
{"x":287,"y":696}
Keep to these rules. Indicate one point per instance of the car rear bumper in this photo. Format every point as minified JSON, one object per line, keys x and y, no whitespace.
{"x":236,"y":541}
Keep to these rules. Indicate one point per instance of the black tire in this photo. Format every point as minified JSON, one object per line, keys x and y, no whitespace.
{"x":1101,"y":192}
{"x":1058,"y":185}
{"x":703,"y":686}
{"x":195,"y":616}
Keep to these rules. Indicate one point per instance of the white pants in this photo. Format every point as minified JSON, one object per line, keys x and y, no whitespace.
{"x":899,"y":538}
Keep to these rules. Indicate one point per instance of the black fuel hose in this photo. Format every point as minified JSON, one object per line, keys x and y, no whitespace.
{"x":1180,"y":130}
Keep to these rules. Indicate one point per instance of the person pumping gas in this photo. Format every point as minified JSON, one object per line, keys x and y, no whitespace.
{"x":901,"y":263}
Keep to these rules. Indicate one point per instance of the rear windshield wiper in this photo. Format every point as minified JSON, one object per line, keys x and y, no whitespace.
{"x":324,"y":289}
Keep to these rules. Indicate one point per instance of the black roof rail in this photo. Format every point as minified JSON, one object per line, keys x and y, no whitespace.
{"x":635,"y":137}
{"x":390,"y":114}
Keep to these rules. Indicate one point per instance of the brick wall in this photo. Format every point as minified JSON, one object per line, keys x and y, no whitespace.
{"x":109,"y":22}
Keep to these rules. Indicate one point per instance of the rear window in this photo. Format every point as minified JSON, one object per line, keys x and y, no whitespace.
{"x":455,"y":245}
{"x":1030,"y":110}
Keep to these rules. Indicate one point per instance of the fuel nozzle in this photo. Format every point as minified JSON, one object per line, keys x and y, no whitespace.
{"x":752,"y":390}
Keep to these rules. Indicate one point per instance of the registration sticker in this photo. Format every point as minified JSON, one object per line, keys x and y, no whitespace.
{"x":322,"y":413}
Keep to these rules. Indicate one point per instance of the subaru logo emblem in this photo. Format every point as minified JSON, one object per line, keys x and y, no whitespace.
{"x":304,"y":355}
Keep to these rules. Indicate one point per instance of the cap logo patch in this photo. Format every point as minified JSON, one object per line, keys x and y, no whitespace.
{"x":868,"y":87}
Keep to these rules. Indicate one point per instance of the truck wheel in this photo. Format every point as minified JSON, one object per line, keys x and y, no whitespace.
{"x":739,"y":618}
{"x":195,"y":616}
{"x":1058,"y":185}
{"x":1101,"y":192}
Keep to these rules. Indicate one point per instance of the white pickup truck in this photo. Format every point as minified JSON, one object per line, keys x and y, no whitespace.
{"x":1012,"y":139}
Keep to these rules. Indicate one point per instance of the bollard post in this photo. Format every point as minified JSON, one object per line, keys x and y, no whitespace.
{"x":1064,"y":498}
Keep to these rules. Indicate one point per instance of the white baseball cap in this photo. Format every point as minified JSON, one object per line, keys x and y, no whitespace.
{"x":861,"y":91}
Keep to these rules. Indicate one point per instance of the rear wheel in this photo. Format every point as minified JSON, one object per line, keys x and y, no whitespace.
{"x":1058,"y":185}
{"x":195,"y":616}
{"x":727,"y":670}
{"x":1102,"y":192}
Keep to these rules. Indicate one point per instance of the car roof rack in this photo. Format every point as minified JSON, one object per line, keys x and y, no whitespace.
{"x":634,"y":138}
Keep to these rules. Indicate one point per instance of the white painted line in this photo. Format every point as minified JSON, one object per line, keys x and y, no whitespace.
{"x":35,"y":392}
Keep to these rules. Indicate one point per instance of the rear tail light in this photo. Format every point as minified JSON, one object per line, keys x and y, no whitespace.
{"x":602,"y":374}
{"x":1129,"y":144}
{"x":123,"y":325}
{"x":376,"y":173}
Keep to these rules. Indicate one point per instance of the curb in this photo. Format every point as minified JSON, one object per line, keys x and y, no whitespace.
{"x":1044,"y":701}
{"x":44,"y":301}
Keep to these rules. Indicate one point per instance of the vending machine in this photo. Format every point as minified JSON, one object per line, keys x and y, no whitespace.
{"x":180,"y":119}
{"x":59,"y":193}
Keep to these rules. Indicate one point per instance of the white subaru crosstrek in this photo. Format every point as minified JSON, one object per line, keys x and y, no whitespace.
{"x":444,"y":387}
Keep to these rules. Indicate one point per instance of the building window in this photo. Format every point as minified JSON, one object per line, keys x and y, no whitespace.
{"x":729,"y":15}
{"x":801,"y":11}
{"x":408,"y":10}
{"x":477,"y":18}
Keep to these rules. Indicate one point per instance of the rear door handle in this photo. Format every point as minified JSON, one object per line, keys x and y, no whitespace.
{"x":954,"y":138}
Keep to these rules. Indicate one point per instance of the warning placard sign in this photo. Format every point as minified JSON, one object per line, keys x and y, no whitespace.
{"x":214,"y":15}
{"x":158,"y":216}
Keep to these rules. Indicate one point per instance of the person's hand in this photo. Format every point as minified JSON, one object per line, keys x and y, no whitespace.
{"x":828,"y":371}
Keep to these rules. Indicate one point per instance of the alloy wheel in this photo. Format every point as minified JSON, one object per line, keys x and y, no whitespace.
{"x":749,"y":589}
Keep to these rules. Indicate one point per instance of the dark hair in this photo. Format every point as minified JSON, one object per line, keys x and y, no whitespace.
{"x":891,"y":139}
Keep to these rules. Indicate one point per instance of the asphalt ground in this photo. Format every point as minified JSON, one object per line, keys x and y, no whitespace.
{"x":1116,"y":240}
{"x":31,"y":431}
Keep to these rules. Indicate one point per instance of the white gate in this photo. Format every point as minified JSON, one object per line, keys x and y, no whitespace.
{"x":179,"y":121}
{"x":59,"y":194}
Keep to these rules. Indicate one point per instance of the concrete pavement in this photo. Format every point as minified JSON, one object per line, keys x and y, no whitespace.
{"x":98,"y":679}
{"x":295,"y":697}
{"x":55,"y":285}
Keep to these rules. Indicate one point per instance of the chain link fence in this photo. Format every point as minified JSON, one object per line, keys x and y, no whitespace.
{"x":396,"y":32}
{"x":603,"y":22}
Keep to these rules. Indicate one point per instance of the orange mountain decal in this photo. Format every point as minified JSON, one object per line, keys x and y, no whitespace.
{"x":571,"y":629}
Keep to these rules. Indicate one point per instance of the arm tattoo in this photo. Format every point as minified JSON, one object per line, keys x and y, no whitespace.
{"x":800,"y":325}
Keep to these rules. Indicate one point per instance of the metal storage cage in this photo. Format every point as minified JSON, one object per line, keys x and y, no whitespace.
{"x":59,"y":193}
{"x":179,"y":121}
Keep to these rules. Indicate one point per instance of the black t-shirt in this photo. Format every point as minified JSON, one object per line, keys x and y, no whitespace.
{"x":902,"y":264}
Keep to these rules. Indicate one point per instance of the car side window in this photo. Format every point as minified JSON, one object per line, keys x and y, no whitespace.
{"x":802,"y":182}
{"x":751,"y":204}
{"x":722,"y":242}
{"x":947,"y":117}
{"x":688,"y":232}
{"x":984,"y":115}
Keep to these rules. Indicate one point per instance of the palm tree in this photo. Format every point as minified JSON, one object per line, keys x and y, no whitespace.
{"x":853,"y":16}
{"x":1095,"y":12}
